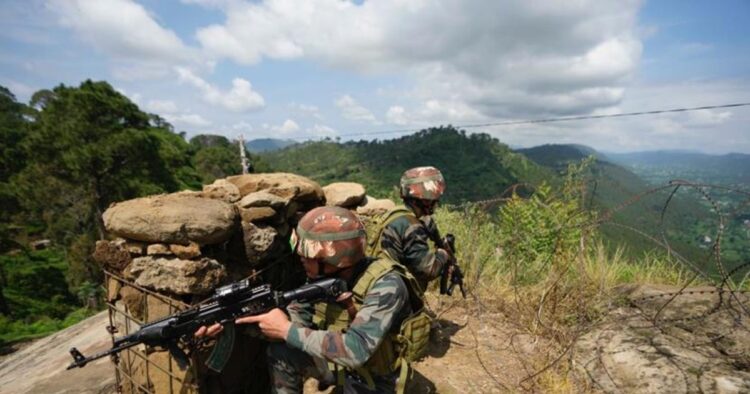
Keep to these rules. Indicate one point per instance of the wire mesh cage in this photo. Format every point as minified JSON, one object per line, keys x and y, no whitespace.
{"x":142,"y":369}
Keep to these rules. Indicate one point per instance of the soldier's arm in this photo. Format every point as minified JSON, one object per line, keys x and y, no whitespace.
{"x":413,"y":238}
{"x":301,"y":313}
{"x":372,"y":323}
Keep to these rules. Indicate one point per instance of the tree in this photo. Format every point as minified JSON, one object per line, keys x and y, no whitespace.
{"x":90,"y":146}
{"x":215,"y":157}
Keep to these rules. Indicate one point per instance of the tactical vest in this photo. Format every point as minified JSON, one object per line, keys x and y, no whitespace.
{"x":401,"y":345}
{"x":375,"y":227}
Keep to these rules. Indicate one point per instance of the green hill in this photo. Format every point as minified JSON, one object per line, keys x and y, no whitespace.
{"x":476,"y":166}
{"x":638,"y":205}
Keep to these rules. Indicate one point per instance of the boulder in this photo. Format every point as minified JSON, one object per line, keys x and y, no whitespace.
{"x":694,"y":347}
{"x":256,"y":214}
{"x":175,"y":275}
{"x":262,"y":199}
{"x":186,"y":252}
{"x":259,"y":241}
{"x":281,"y":184}
{"x":222,"y":190}
{"x":372,"y":206}
{"x":111,"y":254}
{"x":157,"y":249}
{"x":172,"y":219}
{"x":344,"y":194}
{"x":136,"y":248}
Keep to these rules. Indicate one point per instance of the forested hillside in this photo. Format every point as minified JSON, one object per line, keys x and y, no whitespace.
{"x":477,"y":166}
{"x":66,"y":156}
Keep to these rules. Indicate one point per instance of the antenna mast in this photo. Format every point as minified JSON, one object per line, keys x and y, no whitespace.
{"x":243,"y":158}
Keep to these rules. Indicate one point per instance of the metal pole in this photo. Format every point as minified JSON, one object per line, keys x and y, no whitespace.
{"x":243,"y":158}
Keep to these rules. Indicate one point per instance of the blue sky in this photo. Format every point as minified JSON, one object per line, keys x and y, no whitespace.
{"x":315,"y":69}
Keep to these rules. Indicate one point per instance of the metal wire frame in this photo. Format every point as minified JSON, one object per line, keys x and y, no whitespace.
{"x":124,"y":373}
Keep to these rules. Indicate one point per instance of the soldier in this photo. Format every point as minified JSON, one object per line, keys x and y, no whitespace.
{"x":369,"y":338}
{"x":402,"y":232}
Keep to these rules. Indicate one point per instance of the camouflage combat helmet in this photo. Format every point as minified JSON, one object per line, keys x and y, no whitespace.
{"x":424,"y":183}
{"x":332,"y":234}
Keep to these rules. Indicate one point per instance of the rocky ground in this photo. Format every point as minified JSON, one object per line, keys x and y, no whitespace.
{"x":695,"y":344}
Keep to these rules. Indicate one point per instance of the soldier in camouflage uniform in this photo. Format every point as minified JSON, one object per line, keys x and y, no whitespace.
{"x":358,"y":335}
{"x":405,"y":230}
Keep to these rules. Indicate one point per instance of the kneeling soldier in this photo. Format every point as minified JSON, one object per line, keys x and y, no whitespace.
{"x":364,"y":343}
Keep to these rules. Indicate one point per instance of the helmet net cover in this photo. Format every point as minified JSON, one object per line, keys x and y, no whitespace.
{"x":424,"y":183}
{"x":333,"y":235}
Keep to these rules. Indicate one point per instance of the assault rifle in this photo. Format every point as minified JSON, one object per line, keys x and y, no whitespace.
{"x":452,"y":274}
{"x":228,"y":303}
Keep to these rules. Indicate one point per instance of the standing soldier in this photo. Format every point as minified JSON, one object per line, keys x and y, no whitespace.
{"x":363,"y":343}
{"x":403,"y":232}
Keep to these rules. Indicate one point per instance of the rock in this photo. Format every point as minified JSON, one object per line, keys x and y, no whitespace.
{"x":263,"y":199}
{"x":158,"y":249}
{"x":344,"y":194}
{"x":172,"y":219}
{"x":694,"y":347}
{"x":158,"y":308}
{"x":259,"y":241}
{"x":161,"y":381}
{"x":136,"y":248}
{"x":373,"y":206}
{"x":134,"y":301}
{"x":280,"y":184}
{"x":113,"y":289}
{"x":256,"y":214}
{"x":111,"y":254}
{"x":186,"y":252}
{"x":175,"y":275}
{"x":222,"y":190}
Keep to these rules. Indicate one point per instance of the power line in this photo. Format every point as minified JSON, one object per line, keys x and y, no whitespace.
{"x":560,"y":119}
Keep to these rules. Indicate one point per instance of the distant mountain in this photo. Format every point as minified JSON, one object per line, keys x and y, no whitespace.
{"x":476,"y":166}
{"x":267,"y":144}
{"x":661,"y":166}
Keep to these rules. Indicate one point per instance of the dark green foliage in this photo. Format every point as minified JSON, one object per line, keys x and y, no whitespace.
{"x":215,"y":157}
{"x":35,"y":285}
{"x":475,"y":166}
{"x":88,"y":147}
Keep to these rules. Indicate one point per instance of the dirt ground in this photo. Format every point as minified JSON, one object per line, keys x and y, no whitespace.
{"x":471,"y":350}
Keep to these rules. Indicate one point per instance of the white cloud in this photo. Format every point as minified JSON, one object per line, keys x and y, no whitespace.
{"x":319,"y":130}
{"x":501,"y":58}
{"x":123,"y":29}
{"x":193,"y":120}
{"x":307,"y":110}
{"x":289,"y":126}
{"x":162,"y":106}
{"x":240,"y":98}
{"x":396,"y":115}
{"x":351,"y":109}
{"x":711,"y":131}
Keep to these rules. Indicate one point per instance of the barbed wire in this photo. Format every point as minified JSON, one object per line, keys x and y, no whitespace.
{"x":722,"y":286}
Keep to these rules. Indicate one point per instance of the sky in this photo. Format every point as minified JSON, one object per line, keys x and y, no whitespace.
{"x":304,"y":69}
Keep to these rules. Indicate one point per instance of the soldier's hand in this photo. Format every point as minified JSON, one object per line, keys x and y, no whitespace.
{"x":210,"y":331}
{"x":274,"y":324}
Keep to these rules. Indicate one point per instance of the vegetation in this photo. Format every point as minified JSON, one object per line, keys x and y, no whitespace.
{"x":541,"y":261}
{"x":66,"y":156}
{"x":477,"y":165}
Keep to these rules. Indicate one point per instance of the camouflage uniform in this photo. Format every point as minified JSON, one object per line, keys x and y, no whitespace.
{"x":307,"y":349}
{"x":357,"y":342}
{"x":404,"y":239}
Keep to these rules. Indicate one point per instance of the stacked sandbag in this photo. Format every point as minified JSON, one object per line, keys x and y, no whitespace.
{"x":183,"y":245}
